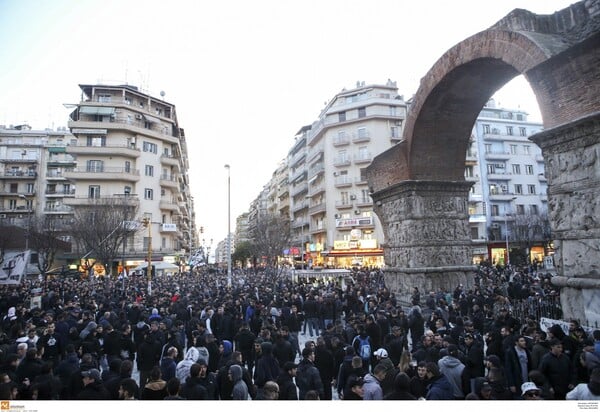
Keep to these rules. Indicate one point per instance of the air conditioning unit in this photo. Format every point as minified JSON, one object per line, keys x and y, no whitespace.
{"x":138,"y":116}
{"x":357,"y":212}
{"x":495,"y":226}
{"x":335,"y":173}
{"x":337,"y":216}
{"x":352,"y":197}
{"x":3,"y":216}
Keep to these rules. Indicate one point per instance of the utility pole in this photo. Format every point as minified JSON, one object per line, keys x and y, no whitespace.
{"x":147,"y":223}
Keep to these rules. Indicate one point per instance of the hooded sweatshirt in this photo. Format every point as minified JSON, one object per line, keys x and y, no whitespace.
{"x":372,"y":388}
{"x":182,"y":371}
{"x":91,"y":326}
{"x":453,"y":368}
{"x":240,"y":389}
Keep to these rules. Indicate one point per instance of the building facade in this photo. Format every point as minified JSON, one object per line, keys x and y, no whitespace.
{"x":128,"y":145}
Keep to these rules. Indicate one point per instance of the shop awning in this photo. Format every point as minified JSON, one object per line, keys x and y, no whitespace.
{"x":57,"y":149}
{"x":97,"y":110}
{"x":354,"y":252}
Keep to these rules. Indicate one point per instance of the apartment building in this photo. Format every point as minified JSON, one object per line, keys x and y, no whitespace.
{"x":509,"y":198}
{"x":128,"y":145}
{"x":329,"y":194}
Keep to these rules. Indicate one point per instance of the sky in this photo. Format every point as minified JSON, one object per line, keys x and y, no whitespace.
{"x":244,"y":75}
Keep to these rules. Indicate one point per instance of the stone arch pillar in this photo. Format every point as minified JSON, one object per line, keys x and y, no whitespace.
{"x":427,"y":235}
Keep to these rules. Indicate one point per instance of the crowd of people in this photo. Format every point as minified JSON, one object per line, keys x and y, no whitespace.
{"x":260,"y":335}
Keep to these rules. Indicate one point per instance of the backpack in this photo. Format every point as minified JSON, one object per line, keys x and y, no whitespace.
{"x":364,"y":347}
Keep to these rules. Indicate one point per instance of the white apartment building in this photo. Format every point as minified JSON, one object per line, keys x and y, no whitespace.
{"x":128,"y":145}
{"x":354,"y":127}
{"x":510,"y":188}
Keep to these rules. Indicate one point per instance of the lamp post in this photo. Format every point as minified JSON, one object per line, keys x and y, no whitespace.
{"x":228,"y":225}
{"x":146,"y":222}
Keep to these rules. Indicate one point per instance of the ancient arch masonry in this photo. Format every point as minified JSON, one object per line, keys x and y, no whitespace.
{"x":418,"y":186}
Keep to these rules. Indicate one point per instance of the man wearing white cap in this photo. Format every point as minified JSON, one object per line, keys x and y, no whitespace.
{"x":381,"y":358}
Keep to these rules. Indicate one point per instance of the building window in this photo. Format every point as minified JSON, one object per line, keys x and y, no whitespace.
{"x":150,"y":147}
{"x":94,"y":192}
{"x":529,"y":169}
{"x":395,"y":130}
{"x":516,"y":169}
{"x":533,"y":210}
{"x":519,"y":189}
{"x":95,"y":166}
{"x":469,"y":171}
{"x":342,"y":116}
{"x":104,"y":98}
{"x":148,"y":194}
{"x":30,"y":187}
{"x":362,"y":132}
{"x":366,"y":197}
{"x":513,"y":149}
{"x":495,"y":210}
{"x":522,"y":131}
{"x":96,"y":141}
{"x":486,"y":129}
{"x":526,"y":149}
{"x":531,"y":189}
{"x":520,"y":209}
{"x":149,"y":170}
{"x":509,"y":130}
{"x":127,"y":190}
{"x":362,"y":111}
{"x":491,"y":168}
{"x":393,"y":111}
{"x":488,"y":148}
{"x":127,"y":166}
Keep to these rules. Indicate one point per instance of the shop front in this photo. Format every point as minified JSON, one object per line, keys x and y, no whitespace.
{"x":355,"y":253}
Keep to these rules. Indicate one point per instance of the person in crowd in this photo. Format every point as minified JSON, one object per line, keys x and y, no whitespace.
{"x":288,"y":390}
{"x":240,"y":389}
{"x":193,"y":388}
{"x":518,"y":364}
{"x":589,"y":391}
{"x":401,"y":389}
{"x":558,"y":368}
{"x":173,"y":388}
{"x":454,"y":370}
{"x":307,"y":375}
{"x":156,"y":387}
{"x":530,"y":392}
{"x":372,"y":384}
{"x":355,"y":391}
{"x":128,"y":390}
{"x":93,"y":388}
{"x":439,"y":387}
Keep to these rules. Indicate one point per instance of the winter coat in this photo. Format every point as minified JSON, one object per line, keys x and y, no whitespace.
{"x":194,"y":390}
{"x":308,"y":378}
{"x":453,"y":369}
{"x":182,"y":370}
{"x":168,"y":368}
{"x":240,"y":389}
{"x":155,"y":391}
{"x":267,"y":367}
{"x":287,"y":388}
{"x":94,"y":391}
{"x":372,"y":388}
{"x":559,"y":371}
{"x":512,"y":367}
{"x":440,"y":389}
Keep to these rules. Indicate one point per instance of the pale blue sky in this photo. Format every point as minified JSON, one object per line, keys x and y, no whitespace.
{"x":244,"y":75}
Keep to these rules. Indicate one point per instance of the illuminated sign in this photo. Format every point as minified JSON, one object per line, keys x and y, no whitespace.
{"x":360,"y":221}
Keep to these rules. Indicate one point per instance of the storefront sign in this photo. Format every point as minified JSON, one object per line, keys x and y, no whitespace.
{"x":361,"y":221}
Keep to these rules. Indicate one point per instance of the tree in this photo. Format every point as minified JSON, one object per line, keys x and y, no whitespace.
{"x":44,"y":238}
{"x":530,"y":229}
{"x":271,"y":236}
{"x":102,"y":227}
{"x":243,"y":252}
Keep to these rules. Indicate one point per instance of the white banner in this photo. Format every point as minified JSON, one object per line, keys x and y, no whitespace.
{"x":13,"y":268}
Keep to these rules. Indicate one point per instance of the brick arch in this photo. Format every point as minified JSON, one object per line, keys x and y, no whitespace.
{"x":453,"y":93}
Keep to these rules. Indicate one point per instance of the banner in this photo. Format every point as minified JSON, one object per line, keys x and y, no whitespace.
{"x":13,"y":268}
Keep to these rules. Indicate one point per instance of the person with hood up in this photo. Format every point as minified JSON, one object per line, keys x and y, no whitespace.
{"x":240,"y":389}
{"x":401,"y":390}
{"x":225,"y":349}
{"x":440,"y":388}
{"x":182,"y":371}
{"x":89,"y":328}
{"x":586,"y":391}
{"x":451,"y":367}
{"x":267,"y":366}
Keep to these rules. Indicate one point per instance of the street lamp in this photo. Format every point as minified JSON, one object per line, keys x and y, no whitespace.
{"x":228,"y":225}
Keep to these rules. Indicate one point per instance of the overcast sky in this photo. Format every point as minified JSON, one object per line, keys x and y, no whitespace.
{"x":244,"y":75}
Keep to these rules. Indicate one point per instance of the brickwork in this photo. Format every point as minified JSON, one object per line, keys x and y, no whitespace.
{"x":559,"y":54}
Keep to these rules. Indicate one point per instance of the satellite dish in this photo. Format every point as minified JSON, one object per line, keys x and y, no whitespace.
{"x":162,"y":94}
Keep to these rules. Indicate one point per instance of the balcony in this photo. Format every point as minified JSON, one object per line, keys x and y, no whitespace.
{"x":59,"y":209}
{"x":497,"y":155}
{"x":343,"y":181}
{"x":299,"y":223}
{"x":17,"y":209}
{"x":542,"y":177}
{"x":169,"y":181}
{"x":161,"y":131}
{"x":341,"y":161}
{"x":343,"y":204}
{"x":17,"y":194}
{"x":363,"y":158}
{"x":299,"y":205}
{"x":502,"y":197}
{"x":316,"y":170}
{"x":317,"y":208}
{"x":107,"y":150}
{"x":318,"y":228}
{"x":55,"y":175}
{"x":361,"y":137}
{"x":23,"y":160}
{"x":59,"y":193}
{"x":361,"y":180}
{"x":110,"y":200}
{"x":104,"y":173}
{"x":314,"y":190}
{"x":169,"y":160}
{"x":499,"y":176}
{"x":168,"y":205}
{"x":543,"y":197}
{"x":64,"y":160}
{"x":19,"y":174}
{"x":315,"y":154}
{"x":299,"y":188}
{"x":364,"y":202}
{"x":471,"y":157}
{"x":341,"y":141}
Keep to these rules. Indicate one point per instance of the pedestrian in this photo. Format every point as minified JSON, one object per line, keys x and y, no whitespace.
{"x":589,"y":391}
{"x":93,"y":388}
{"x":307,"y":375}
{"x":355,"y":391}
{"x":557,"y":367}
{"x":372,"y":384}
{"x":401,"y":389}
{"x":240,"y":389}
{"x":288,"y":391}
{"x":156,"y":387}
{"x":173,"y":388}
{"x":439,"y":387}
